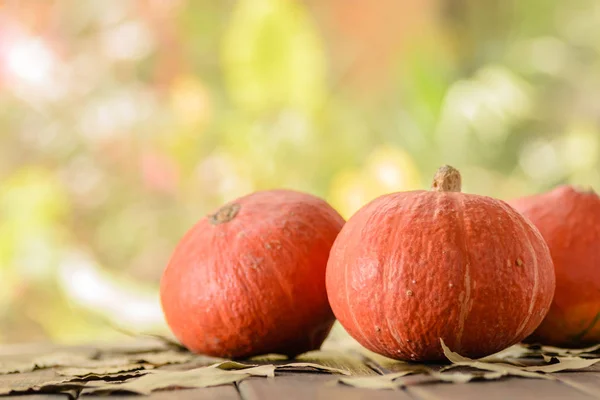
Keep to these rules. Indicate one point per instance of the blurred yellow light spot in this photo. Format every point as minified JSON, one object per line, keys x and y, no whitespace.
{"x":386,"y":170}
{"x":581,"y":147}
{"x":190,"y":101}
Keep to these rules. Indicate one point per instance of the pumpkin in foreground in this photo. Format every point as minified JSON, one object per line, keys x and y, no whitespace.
{"x":250,"y":278}
{"x":569,"y":221}
{"x":410,"y":268}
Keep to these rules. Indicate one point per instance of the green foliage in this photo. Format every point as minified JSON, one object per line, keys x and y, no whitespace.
{"x":122,"y":125}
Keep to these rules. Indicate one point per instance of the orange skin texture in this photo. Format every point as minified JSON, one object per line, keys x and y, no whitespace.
{"x":255,"y":284}
{"x":410,"y":268}
{"x":569,"y":221}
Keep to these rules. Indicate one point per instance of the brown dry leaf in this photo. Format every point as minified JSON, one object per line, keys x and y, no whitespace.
{"x":162,"y":358}
{"x":452,"y":356}
{"x":347,"y":361}
{"x":102,"y":371}
{"x":231,"y":365}
{"x":32,"y":382}
{"x":464,"y":377}
{"x":509,"y":355}
{"x":384,"y":364}
{"x":592,"y":351}
{"x":539,"y":351}
{"x":101,"y":363}
{"x":506,"y":369}
{"x":564,"y":364}
{"x":272,"y":357}
{"x":81,"y":363}
{"x":311,"y":367}
{"x":425,"y":375}
{"x":214,"y":375}
{"x":16,"y":367}
{"x":115,"y":377}
{"x":387,"y":381}
{"x":50,"y":387}
{"x":45,"y":361}
{"x":49,"y":381}
{"x":393,"y":381}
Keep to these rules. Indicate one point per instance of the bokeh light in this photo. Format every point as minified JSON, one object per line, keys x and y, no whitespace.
{"x":124,"y":122}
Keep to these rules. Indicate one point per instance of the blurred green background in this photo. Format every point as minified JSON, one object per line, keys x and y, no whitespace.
{"x":124,"y":122}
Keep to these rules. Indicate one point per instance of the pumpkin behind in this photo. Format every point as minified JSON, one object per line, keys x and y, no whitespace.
{"x":569,"y":221}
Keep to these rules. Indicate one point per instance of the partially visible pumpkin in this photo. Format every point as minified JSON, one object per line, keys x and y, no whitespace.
{"x":250,"y":278}
{"x":411,"y":268}
{"x":569,"y":220}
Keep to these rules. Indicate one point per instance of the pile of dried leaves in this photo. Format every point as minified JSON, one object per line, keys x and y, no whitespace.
{"x":163,"y":365}
{"x":537,"y":362}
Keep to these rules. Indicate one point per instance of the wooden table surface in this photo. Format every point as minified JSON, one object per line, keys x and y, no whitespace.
{"x":582,"y":384}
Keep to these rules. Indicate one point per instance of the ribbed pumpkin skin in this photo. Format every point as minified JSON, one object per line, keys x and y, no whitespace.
{"x":411,"y":268}
{"x":255,"y":284}
{"x":569,"y":220}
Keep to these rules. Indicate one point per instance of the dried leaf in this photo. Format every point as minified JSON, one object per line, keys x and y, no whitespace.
{"x":115,"y":377}
{"x":506,"y":369}
{"x":311,"y":367}
{"x":213,"y":375}
{"x":41,"y":362}
{"x":464,"y":377}
{"x":50,"y":387}
{"x":162,"y":358}
{"x":564,"y":364}
{"x":269,"y":358}
{"x":34,"y":382}
{"x":347,"y":361}
{"x":103,"y":371}
{"x":16,"y":367}
{"x":386,"y":381}
{"x":393,"y":381}
{"x":551,"y":350}
{"x":231,"y":365}
{"x":82,"y":364}
{"x":385,"y":364}
{"x":452,"y":356}
{"x":509,"y":355}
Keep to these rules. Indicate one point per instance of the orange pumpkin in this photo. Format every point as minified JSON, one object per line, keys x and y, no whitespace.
{"x":569,"y":220}
{"x":411,"y":268}
{"x":250,"y":278}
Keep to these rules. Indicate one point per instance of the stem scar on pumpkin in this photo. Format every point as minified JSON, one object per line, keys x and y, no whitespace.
{"x":224,"y":214}
{"x":519,"y":262}
{"x":447,"y":179}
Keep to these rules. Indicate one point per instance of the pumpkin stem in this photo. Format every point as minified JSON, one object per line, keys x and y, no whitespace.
{"x":446,"y":179}
{"x":224,"y":214}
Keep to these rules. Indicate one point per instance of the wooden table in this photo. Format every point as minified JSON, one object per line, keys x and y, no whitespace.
{"x":583,"y":384}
